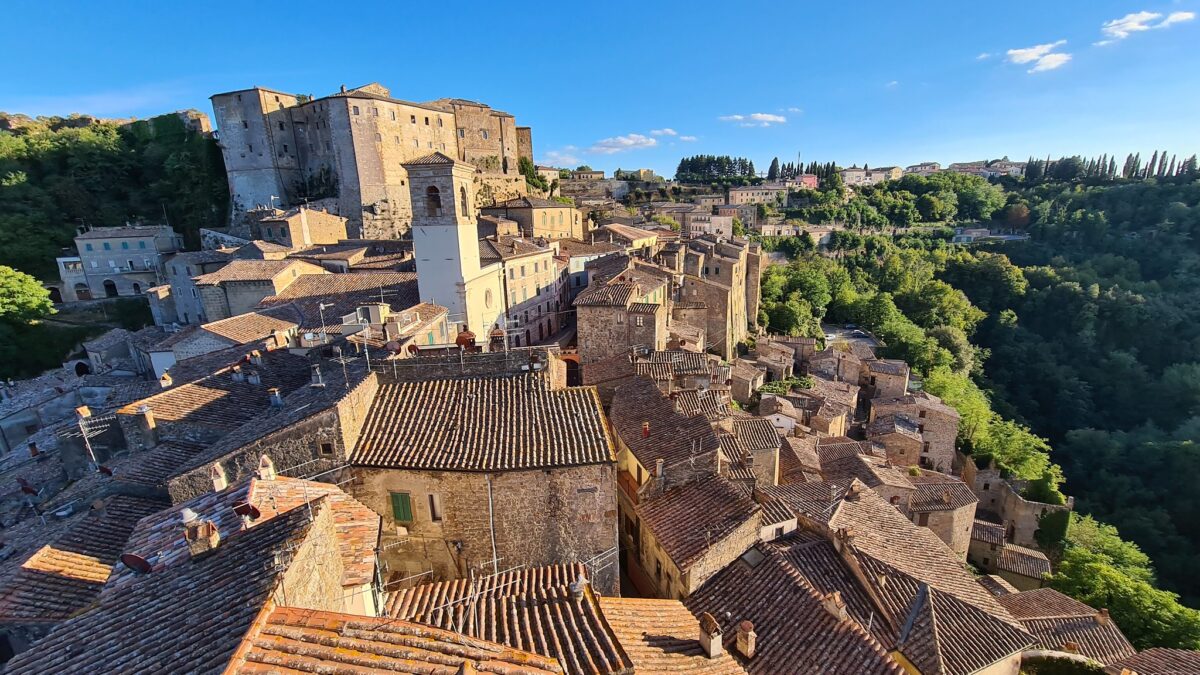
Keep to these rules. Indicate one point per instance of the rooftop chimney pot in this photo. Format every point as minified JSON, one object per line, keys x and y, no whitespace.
{"x":201,"y":536}
{"x":33,"y":449}
{"x":746,"y":639}
{"x":165,"y":381}
{"x":710,"y":636}
{"x":275,"y":397}
{"x":254,"y":377}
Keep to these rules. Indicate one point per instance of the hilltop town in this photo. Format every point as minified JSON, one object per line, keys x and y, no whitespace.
{"x":427,"y":406}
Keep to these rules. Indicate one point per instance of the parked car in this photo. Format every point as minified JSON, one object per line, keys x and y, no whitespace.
{"x":850,"y":326}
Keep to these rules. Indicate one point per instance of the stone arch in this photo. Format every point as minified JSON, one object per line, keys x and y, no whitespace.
{"x":433,"y":201}
{"x":82,"y":292}
{"x":110,"y":288}
{"x":464,"y":209}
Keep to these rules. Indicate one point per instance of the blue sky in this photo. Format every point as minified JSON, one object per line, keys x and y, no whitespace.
{"x":876,"y":82}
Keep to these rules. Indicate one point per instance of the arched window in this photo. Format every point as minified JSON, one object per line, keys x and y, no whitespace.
{"x":433,"y":201}
{"x":463,"y":208}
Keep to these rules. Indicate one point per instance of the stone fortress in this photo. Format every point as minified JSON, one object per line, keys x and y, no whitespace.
{"x":346,"y":152}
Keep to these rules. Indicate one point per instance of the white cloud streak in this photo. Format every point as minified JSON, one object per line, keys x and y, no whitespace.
{"x":1043,"y":57}
{"x":754,"y":119}
{"x":563,"y":157}
{"x":687,"y":139}
{"x":611,"y":146}
{"x":1139,"y":22}
{"x":664,"y":132}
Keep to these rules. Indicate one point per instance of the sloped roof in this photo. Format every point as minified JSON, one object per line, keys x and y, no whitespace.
{"x":254,"y":270}
{"x":672,"y":517}
{"x":672,"y":436}
{"x":298,"y":640}
{"x":1158,"y":661}
{"x":483,"y":424}
{"x":1062,"y":623}
{"x":1022,"y":560}
{"x":660,"y":636}
{"x":939,"y":493}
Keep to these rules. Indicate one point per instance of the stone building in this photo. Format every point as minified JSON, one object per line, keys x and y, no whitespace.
{"x":757,"y":194}
{"x":467,"y":472}
{"x":534,"y":289}
{"x":901,"y":437}
{"x":300,"y":228}
{"x":936,"y":422}
{"x":1003,"y":501}
{"x":631,"y":309}
{"x":351,"y":147}
{"x":722,"y":276}
{"x":884,"y":378}
{"x":1024,"y":567}
{"x":117,"y":261}
{"x":945,"y":505}
{"x":542,"y":217}
{"x":238,"y":287}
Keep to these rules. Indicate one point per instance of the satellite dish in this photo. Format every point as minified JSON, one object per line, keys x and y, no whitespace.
{"x":392,"y":346}
{"x":135,"y":562}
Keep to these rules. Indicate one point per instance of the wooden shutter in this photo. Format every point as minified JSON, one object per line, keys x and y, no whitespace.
{"x":402,"y":507}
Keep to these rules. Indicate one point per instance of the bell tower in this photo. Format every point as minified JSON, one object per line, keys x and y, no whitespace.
{"x":446,"y":241}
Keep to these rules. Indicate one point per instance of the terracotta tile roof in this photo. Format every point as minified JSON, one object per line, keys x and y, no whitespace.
{"x":507,"y":248}
{"x":1027,"y":562}
{"x":1158,"y":661}
{"x":219,"y":402}
{"x":254,"y":270}
{"x":253,"y":250}
{"x":204,"y":257}
{"x":920,"y":399}
{"x":157,"y":538}
{"x":817,"y":500}
{"x":831,"y":448}
{"x":661,"y":636}
{"x":681,"y":362}
{"x":152,"y":468}
{"x":65,"y":576}
{"x":709,"y":403}
{"x":671,"y":516}
{"x":126,"y":231}
{"x":311,"y":641}
{"x":427,"y":160}
{"x":1062,"y":623}
{"x":644,"y":308}
{"x":618,"y":294}
{"x":935,"y":494}
{"x":996,"y":585}
{"x":842,"y":393}
{"x":872,"y":471}
{"x":530,"y":609}
{"x":796,"y":634}
{"x":888,"y":366}
{"x":189,"y":618}
{"x":755,"y":433}
{"x":575,"y":247}
{"x":252,"y":326}
{"x":798,"y":459}
{"x":628,"y":233}
{"x":483,"y":424}
{"x":672,"y":436}
{"x":986,"y":532}
{"x":346,"y":292}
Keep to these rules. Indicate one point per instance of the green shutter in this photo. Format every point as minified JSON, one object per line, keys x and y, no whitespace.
{"x":401,"y":507}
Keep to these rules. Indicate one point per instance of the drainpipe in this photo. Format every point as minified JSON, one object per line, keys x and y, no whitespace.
{"x":492,"y":523}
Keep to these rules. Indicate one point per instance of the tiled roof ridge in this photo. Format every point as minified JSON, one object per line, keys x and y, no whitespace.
{"x":923,"y":604}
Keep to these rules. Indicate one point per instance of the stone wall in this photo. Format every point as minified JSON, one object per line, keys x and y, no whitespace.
{"x":723,"y":553}
{"x":952,"y":527}
{"x":313,"y":579}
{"x":938,"y":428}
{"x":538,"y":518}
{"x":901,"y":450}
{"x":1021,"y":517}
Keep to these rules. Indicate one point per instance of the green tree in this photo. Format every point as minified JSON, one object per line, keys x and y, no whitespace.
{"x":773,"y":171}
{"x":22,"y":297}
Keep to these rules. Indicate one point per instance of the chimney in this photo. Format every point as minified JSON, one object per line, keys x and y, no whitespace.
{"x":578,"y":586}
{"x":256,"y":357}
{"x":33,"y":450}
{"x":217,"y":475}
{"x":1102,"y":617}
{"x":165,"y":381}
{"x":237,"y":374}
{"x":1071,"y":647}
{"x":201,"y":534}
{"x":317,"y":381}
{"x":746,"y":637}
{"x":658,"y":467}
{"x":254,"y":377}
{"x":343,"y":88}
{"x":835,"y":605}
{"x":645,"y":430}
{"x":266,"y":468}
{"x":147,"y":426}
{"x":275,"y":397}
{"x":83,"y":412}
{"x":710,"y":636}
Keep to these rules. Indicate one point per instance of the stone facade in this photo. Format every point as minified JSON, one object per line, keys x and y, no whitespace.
{"x":937,"y":422}
{"x":301,"y":228}
{"x":671,"y":582}
{"x":952,"y":526}
{"x":541,"y":218}
{"x":280,"y":149}
{"x":1001,"y":498}
{"x":118,"y":261}
{"x":461,"y":519}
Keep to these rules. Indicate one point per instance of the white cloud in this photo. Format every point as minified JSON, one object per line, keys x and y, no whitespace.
{"x":893,"y":84}
{"x":754,"y":119}
{"x":1050,"y":62}
{"x":564,"y":157}
{"x":687,"y":139}
{"x":983,"y":56}
{"x":1043,"y":57}
{"x":1139,"y":22}
{"x":611,"y":146}
{"x":794,"y":109}
{"x":664,"y":132}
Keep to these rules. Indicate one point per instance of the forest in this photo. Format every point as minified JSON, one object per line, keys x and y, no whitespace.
{"x":59,"y":174}
{"x":1073,"y":358}
{"x":714,"y":169}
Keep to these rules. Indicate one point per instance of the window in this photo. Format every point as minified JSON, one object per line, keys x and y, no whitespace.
{"x":285,"y":148}
{"x":463,"y":208}
{"x":921,"y":414}
{"x":393,"y":115}
{"x":416,"y":143}
{"x":270,"y":233}
{"x":375,"y":112}
{"x":433,"y":201}
{"x":439,"y":121}
{"x":354,"y":109}
{"x":281,"y":126}
{"x":141,"y":244}
{"x":87,"y":247}
{"x":640,"y":321}
{"x":462,"y":133}
{"x":426,"y":121}
{"x":923,"y":519}
{"x":107,"y":246}
{"x":327,"y":449}
{"x":483,"y":133}
{"x":249,"y":147}
{"x":397,"y":140}
{"x":987,"y":486}
{"x":401,"y":507}
{"x":378,"y":137}
{"x":245,"y":124}
{"x":435,"y":508}
{"x":512,"y":273}
{"x":412,"y":118}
